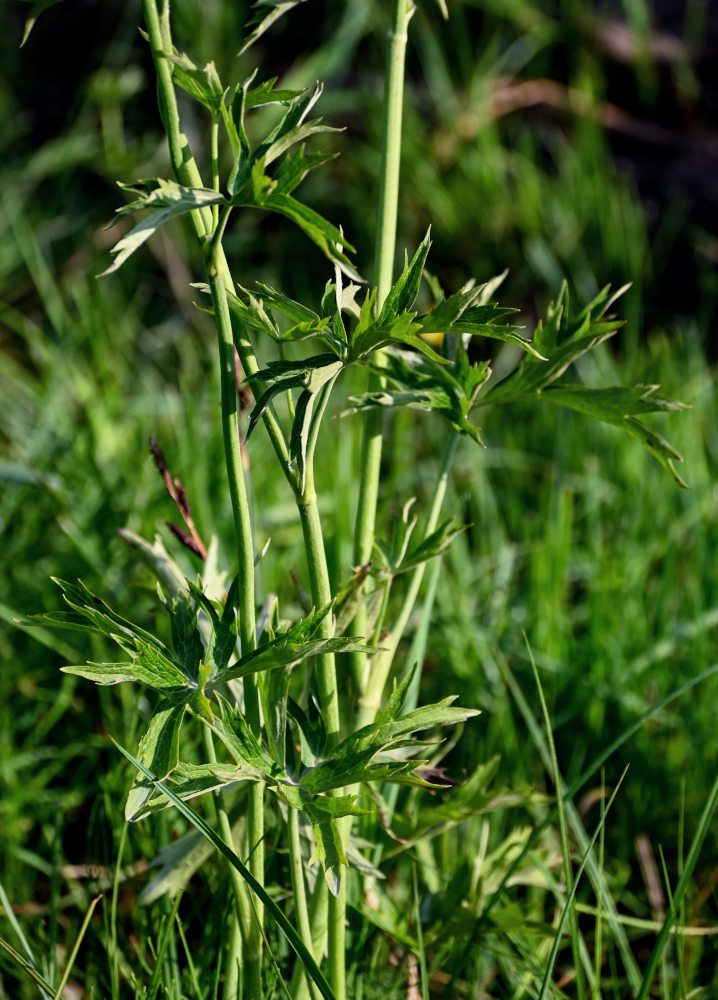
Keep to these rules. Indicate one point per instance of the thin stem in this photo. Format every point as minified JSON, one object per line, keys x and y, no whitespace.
{"x":183,"y":162}
{"x":318,"y":909}
{"x":383,"y":271}
{"x":375,"y":681}
{"x":243,"y":908}
{"x":185,"y":170}
{"x":214,"y":146}
{"x":326,"y":678}
{"x":299,"y":891}
{"x":244,"y":541}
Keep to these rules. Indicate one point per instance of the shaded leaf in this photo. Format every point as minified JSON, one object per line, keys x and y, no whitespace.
{"x":37,"y":8}
{"x":265,"y":21}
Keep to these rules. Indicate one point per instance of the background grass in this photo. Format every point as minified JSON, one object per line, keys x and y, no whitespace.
{"x":552,"y":140}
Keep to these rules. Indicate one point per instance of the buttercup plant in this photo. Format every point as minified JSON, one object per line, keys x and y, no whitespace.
{"x":281,"y":730}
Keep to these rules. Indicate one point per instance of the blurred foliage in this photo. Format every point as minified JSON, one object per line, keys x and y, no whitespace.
{"x":548,"y":138}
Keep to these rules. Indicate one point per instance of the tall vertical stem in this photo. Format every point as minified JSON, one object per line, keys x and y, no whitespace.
{"x":383,"y":270}
{"x":245,"y":562}
{"x":326,"y":678}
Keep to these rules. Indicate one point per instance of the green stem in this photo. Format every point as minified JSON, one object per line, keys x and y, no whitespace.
{"x":214,"y":145}
{"x":318,"y":909}
{"x":244,"y":543}
{"x":326,"y":679}
{"x":383,"y":271}
{"x":244,"y":916}
{"x":299,"y":892}
{"x":183,"y":162}
{"x":185,"y":170}
{"x":375,"y":681}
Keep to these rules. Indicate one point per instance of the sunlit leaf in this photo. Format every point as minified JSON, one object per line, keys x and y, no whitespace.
{"x":159,"y":752}
{"x":167,"y":200}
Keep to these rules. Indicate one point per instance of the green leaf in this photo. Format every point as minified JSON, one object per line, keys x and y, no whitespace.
{"x":309,"y":375}
{"x":282,"y":653}
{"x":221,"y":638}
{"x":37,"y":8}
{"x":433,"y":545}
{"x":322,"y":233}
{"x":311,"y":731}
{"x":565,"y":339}
{"x":158,"y":751}
{"x":236,"y":734}
{"x":402,"y":295}
{"x":264,"y":93}
{"x":399,"y":330}
{"x":192,"y":780}
{"x":295,"y":167}
{"x":617,"y":405}
{"x":168,"y":201}
{"x":149,"y":668}
{"x":562,"y":340}
{"x":265,"y":21}
{"x":186,"y":638}
{"x":461,"y":315}
{"x":203,"y":84}
{"x":274,"y":692}
{"x":156,"y":556}
{"x":351,"y":760}
{"x":414,"y":380}
{"x":293,"y":127}
{"x":307,"y":416}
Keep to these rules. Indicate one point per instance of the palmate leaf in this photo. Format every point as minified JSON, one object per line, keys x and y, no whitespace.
{"x":618,"y":405}
{"x":415,"y":381}
{"x":561,"y":339}
{"x":168,"y":200}
{"x":565,"y":339}
{"x":351,"y":761}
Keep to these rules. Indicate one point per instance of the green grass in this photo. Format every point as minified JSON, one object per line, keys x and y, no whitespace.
{"x":576,"y":539}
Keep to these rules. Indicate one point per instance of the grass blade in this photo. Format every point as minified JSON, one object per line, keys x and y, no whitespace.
{"x":76,"y":947}
{"x":680,"y":892}
{"x":311,"y":967}
{"x":568,"y":908}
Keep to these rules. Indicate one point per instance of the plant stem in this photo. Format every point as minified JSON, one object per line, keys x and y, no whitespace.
{"x":183,"y":163}
{"x":186,"y":171}
{"x":371,"y":694}
{"x":245,"y":553}
{"x":326,"y":678}
{"x":383,"y":270}
{"x":244,"y":916}
{"x":298,"y":890}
